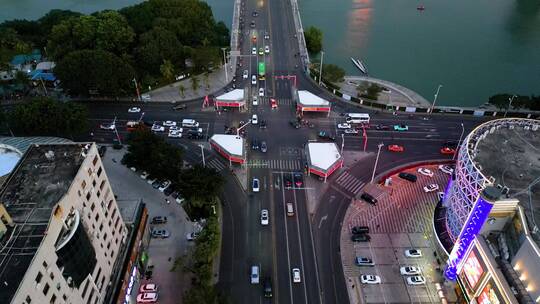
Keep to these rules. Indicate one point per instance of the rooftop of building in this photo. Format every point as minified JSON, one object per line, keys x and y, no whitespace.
{"x":307,"y":98}
{"x":323,"y":155}
{"x":40,"y":179}
{"x":233,"y":144}
{"x":507,"y":151}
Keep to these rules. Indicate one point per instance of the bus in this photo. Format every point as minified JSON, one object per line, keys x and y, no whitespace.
{"x":357,"y":118}
{"x":262,"y":71}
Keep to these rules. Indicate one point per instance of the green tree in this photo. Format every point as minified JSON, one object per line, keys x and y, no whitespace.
{"x":49,"y":117}
{"x":314,"y":39}
{"x":194,"y":83}
{"x":333,"y":73}
{"x":167,"y":71}
{"x":200,"y":186}
{"x":21,"y":78}
{"x":113,"y":32}
{"x":154,"y":155}
{"x":373,"y":91}
{"x":157,"y":45}
{"x":205,"y":56}
{"x":85,"y":70}
{"x":182,"y":90}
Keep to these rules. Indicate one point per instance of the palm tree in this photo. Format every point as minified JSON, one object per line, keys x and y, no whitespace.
{"x":167,"y":70}
{"x":194,"y":83}
{"x":182,"y":90}
{"x":207,"y":80}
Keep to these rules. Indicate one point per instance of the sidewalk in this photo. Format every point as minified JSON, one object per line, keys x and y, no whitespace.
{"x":171,"y":92}
{"x":398,"y":95}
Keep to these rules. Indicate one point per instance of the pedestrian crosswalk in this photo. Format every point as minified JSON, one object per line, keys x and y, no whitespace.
{"x":216,"y":164}
{"x":280,"y":101}
{"x":350,"y":183}
{"x":276,"y":164}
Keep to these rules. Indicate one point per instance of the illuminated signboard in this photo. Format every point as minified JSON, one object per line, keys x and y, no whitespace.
{"x":490,"y":295}
{"x":477,"y":217}
{"x":473,"y":270}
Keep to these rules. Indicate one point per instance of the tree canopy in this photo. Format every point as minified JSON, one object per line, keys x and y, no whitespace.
{"x":200,"y":185}
{"x":99,"y":70}
{"x":332,"y":73}
{"x":314,"y":39}
{"x":502,"y":101}
{"x":48,"y":117}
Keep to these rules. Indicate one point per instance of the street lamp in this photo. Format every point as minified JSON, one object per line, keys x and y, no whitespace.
{"x":202,"y":152}
{"x":510,"y":99}
{"x":225,"y":64}
{"x":435,"y":99}
{"x":376,"y":161}
{"x":342,"y":142}
{"x":320,"y":68}
{"x":459,"y":141}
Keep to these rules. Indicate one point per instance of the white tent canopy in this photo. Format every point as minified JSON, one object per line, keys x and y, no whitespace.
{"x":323,"y":155}
{"x":234,"y":95}
{"x":307,"y":98}
{"x":233,"y":144}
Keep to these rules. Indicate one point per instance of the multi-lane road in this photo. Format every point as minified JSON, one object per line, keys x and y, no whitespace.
{"x":310,"y":243}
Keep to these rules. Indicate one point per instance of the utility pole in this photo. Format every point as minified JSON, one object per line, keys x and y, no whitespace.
{"x":116,"y":131}
{"x":225,"y":64}
{"x":320,"y":68}
{"x":342,"y":142}
{"x":137,"y":89}
{"x":511,"y":99}
{"x":459,"y":141}
{"x":376,"y":161}
{"x":435,"y":99}
{"x":202,"y":152}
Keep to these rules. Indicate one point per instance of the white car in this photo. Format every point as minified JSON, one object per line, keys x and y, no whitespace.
{"x":413,"y":253}
{"x":151,"y":181}
{"x":370,"y":279}
{"x":425,"y":172}
{"x":264,"y":217}
{"x":148,"y":288}
{"x":164,"y":186}
{"x":409,"y":270}
{"x":147,"y":297}
{"x":267,"y":49}
{"x":169,"y":123}
{"x":175,"y":128}
{"x":175,"y":134}
{"x":253,"y":51}
{"x":254,"y":119}
{"x":134,"y":110}
{"x":351,"y":131}
{"x":253,"y":80}
{"x":261,"y":92}
{"x":416,"y":280}
{"x":192,"y":236}
{"x":110,"y":126}
{"x":446,"y":169}
{"x":361,"y":261}
{"x":296,"y":275}
{"x":144,"y":175}
{"x":246,"y":74}
{"x":158,"y":128}
{"x":255,"y":101}
{"x":344,"y":126}
{"x":431,"y":188}
{"x":255,"y":184}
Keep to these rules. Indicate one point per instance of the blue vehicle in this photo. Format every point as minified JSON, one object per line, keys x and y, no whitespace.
{"x":401,"y":128}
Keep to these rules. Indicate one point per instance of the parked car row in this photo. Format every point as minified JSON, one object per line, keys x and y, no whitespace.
{"x":148,"y":293}
{"x":360,"y":234}
{"x":412,"y":273}
{"x":166,"y":187}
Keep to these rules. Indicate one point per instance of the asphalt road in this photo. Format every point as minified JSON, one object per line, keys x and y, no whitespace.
{"x":311,"y":244}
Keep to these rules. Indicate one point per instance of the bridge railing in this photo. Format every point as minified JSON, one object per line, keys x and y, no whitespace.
{"x":304,"y":55}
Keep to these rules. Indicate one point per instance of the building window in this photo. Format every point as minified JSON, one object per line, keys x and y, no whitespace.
{"x":99,"y":171}
{"x":94,"y":183}
{"x":108,"y":245}
{"x":45,"y":264}
{"x":98,"y":193}
{"x":102,"y":185}
{"x":83,"y":184}
{"x":38,"y":277}
{"x":53,"y":299}
{"x":105,"y":237}
{"x":94,"y":162}
{"x":51,"y":275}
{"x":88,"y":196}
{"x":64,"y":297}
{"x":101,"y":227}
{"x":28,"y":300}
{"x":85,"y":289}
{"x":89,"y":172}
{"x":97,"y":217}
{"x":101,"y":284}
{"x":46,"y":289}
{"x":93,"y":207}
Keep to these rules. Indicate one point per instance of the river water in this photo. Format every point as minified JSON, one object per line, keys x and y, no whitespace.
{"x":473,"y":48}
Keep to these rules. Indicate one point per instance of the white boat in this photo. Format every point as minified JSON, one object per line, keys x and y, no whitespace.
{"x":360,"y":65}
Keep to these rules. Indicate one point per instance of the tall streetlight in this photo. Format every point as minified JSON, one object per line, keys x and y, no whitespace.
{"x":202,"y":152}
{"x":342,"y":142}
{"x":435,"y":99}
{"x":225,"y":64}
{"x":510,"y":99}
{"x":459,"y":141}
{"x":376,"y":161}
{"x":320,"y":68}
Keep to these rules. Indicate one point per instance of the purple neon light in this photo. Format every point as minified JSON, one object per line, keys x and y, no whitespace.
{"x":472,"y":227}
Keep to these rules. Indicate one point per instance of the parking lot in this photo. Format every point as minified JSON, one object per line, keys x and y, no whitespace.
{"x":129,"y":186}
{"x":400,"y":220}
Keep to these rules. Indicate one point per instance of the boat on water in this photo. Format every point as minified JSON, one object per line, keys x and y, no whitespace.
{"x":420,"y":8}
{"x":360,"y":65}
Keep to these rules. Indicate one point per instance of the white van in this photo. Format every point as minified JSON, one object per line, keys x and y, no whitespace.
{"x":290,"y":209}
{"x":190,"y":123}
{"x":254,"y":274}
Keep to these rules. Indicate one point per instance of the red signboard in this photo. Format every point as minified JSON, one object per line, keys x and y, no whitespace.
{"x":229,"y":104}
{"x":328,"y":172}
{"x":473,"y":270}
{"x":228,"y":156}
{"x":314,"y":109}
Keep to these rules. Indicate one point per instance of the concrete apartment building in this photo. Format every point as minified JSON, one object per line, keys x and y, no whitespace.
{"x":60,"y":227}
